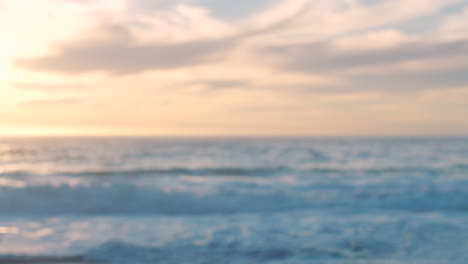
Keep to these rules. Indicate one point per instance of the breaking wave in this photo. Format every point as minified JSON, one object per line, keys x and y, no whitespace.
{"x":249,"y":171}
{"x":123,"y":198}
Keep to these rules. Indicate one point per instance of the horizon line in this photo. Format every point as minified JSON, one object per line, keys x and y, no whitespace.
{"x":454,"y":135}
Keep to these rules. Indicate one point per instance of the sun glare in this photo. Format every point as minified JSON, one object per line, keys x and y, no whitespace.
{"x":3,"y":68}
{"x":2,"y":71}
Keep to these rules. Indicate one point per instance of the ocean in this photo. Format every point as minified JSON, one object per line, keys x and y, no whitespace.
{"x":229,"y":200}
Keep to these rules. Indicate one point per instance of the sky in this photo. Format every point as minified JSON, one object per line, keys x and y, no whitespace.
{"x":223,"y":67}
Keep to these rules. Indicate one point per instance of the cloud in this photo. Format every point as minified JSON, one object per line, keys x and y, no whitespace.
{"x":49,"y":87}
{"x":375,"y":40}
{"x":329,"y":62}
{"x":272,"y":108}
{"x":403,"y":79}
{"x":322,"y":57}
{"x":53,"y":102}
{"x":455,"y":26}
{"x":221,"y":8}
{"x":348,"y":36}
{"x":120,"y":54}
{"x":123,"y":48}
{"x":222,"y":84}
{"x":400,"y":64}
{"x":412,"y":81}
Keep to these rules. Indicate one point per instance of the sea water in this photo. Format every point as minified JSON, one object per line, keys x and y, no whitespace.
{"x":234,"y":200}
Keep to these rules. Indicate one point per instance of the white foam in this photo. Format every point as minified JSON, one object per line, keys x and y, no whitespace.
{"x":292,"y":237}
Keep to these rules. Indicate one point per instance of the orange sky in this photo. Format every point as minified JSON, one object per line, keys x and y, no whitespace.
{"x":196,"y":67}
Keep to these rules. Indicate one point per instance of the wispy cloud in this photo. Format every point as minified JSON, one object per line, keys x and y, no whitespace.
{"x":322,"y":57}
{"x":50,"y":87}
{"x":124,"y":56}
{"x":53,"y":102}
{"x":273,"y":61}
{"x":121,"y":50}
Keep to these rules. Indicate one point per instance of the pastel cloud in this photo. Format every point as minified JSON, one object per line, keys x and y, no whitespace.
{"x":125,"y":47}
{"x":322,"y":57}
{"x":273,"y":64}
{"x":186,"y":36}
{"x":52,"y":102}
{"x":121,"y":55}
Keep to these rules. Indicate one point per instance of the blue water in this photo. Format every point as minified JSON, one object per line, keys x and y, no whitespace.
{"x":234,"y":200}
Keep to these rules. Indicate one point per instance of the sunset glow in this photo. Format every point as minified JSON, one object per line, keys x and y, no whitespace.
{"x":277,"y":67}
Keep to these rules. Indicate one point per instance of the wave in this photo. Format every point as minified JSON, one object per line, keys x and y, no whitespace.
{"x":247,"y":171}
{"x":208,"y":171}
{"x":42,"y":259}
{"x":205,"y":171}
{"x":293,"y":237}
{"x":124,"y":198}
{"x":121,"y":252}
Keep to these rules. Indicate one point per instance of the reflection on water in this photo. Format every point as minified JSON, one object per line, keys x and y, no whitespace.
{"x":234,"y":200}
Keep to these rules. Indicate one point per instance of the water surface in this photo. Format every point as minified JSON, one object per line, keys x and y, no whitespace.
{"x":234,"y":200}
